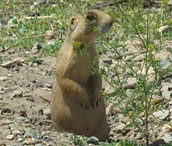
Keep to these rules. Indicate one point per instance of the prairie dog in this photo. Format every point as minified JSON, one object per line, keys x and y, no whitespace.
{"x":77,"y":104}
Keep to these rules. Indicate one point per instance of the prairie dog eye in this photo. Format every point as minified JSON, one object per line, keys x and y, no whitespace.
{"x":90,"y":17}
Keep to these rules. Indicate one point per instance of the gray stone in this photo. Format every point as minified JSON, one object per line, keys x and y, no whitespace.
{"x":31,"y":133}
{"x":20,"y":118}
{"x":119,"y":127}
{"x":10,"y":137}
{"x":39,"y":84}
{"x":167,"y":138}
{"x":46,"y":111}
{"x":3,"y":78}
{"x":130,"y":83}
{"x":109,"y":109}
{"x":162,"y":114}
{"x":93,"y":140}
{"x":164,"y":63}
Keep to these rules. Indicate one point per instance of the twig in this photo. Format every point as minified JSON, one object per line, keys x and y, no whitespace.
{"x":47,"y":100}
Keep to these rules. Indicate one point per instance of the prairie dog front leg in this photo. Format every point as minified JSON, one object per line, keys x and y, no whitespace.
{"x":95,"y":89}
{"x":73,"y":89}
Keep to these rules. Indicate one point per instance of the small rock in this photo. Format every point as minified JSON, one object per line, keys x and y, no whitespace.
{"x":39,"y":84}
{"x":38,"y":2}
{"x":129,"y":92}
{"x":119,"y":128}
{"x":158,"y":142}
{"x":167,"y":138}
{"x":166,"y":90}
{"x":167,"y":128}
{"x":10,"y":137}
{"x":49,"y":34}
{"x":16,"y":132}
{"x":109,"y":109}
{"x":107,"y":88}
{"x":3,"y":78}
{"x":49,"y":85}
{"x":8,"y":121}
{"x":121,"y":117}
{"x":38,"y":144}
{"x":20,"y":139}
{"x":120,"y":52}
{"x":47,"y":139}
{"x":130,"y":83}
{"x":31,"y":133}
{"x":17,"y":93}
{"x":36,"y":48}
{"x":1,"y":49}
{"x":161,"y":114}
{"x":17,"y":61}
{"x":20,"y":118}
{"x":164,"y":63}
{"x":9,"y":75}
{"x":170,"y":2}
{"x":139,"y":58}
{"x":30,"y":141}
{"x":93,"y":140}
{"x":46,"y":111}
{"x":163,"y":28}
{"x":50,"y":43}
{"x":166,"y":94}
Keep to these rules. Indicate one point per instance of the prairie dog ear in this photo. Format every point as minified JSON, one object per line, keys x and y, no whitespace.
{"x":72,"y":24}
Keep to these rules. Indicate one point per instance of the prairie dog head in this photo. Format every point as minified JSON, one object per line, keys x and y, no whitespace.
{"x":86,"y":26}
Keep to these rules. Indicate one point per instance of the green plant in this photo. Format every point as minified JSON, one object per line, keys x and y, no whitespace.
{"x":1,"y":59}
{"x":78,"y":140}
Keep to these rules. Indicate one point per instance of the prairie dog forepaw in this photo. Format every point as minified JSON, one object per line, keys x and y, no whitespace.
{"x":85,"y":103}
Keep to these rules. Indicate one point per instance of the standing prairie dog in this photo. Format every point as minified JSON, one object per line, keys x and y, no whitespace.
{"x":77,"y":104}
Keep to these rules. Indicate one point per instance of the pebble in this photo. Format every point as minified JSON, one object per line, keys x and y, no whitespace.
{"x":8,"y":121}
{"x":164,"y":63}
{"x":49,"y":85}
{"x":167,"y":138}
{"x":93,"y":140}
{"x":119,"y":128}
{"x":31,"y":133}
{"x":46,"y":111}
{"x":30,"y":141}
{"x":109,"y":109}
{"x":130,"y":83}
{"x":1,"y":49}
{"x":47,"y":139}
{"x":10,"y":137}
{"x":16,"y":132}
{"x":20,"y":118}
{"x":39,"y":84}
{"x":163,"y":28}
{"x":20,"y":139}
{"x":3,"y":78}
{"x":161,"y":114}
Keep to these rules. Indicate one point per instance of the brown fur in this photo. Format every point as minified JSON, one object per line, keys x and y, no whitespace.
{"x":77,"y":105}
